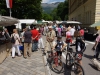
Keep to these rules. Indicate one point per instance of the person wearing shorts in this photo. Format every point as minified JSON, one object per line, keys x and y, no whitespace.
{"x":59,"y":53}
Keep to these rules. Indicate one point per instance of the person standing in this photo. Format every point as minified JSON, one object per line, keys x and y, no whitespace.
{"x":40,"y":42}
{"x":35,"y":35}
{"x":27,"y":43}
{"x":72,"y":30}
{"x":50,"y":38}
{"x":22,"y":36}
{"x":97,"y":46}
{"x":82,"y":32}
{"x":68,"y":38}
{"x":59,"y":31}
{"x":56,"y":30}
{"x":15,"y":44}
{"x":6,"y":35}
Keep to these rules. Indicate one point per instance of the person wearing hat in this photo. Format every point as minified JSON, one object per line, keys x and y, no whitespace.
{"x":50,"y":38}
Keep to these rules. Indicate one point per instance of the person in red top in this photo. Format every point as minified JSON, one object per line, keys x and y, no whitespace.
{"x":35,"y":38}
{"x":82,"y":32}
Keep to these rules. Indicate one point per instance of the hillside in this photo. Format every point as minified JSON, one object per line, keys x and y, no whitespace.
{"x":49,"y":7}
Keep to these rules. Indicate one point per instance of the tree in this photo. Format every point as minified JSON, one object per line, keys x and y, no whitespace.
{"x":47,"y":17}
{"x":61,"y":12}
{"x":23,"y":9}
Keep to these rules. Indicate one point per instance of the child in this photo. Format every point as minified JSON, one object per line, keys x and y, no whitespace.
{"x":59,"y":45}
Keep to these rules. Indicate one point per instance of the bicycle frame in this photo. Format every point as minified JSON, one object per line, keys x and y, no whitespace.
{"x":73,"y":58}
{"x":54,"y":57}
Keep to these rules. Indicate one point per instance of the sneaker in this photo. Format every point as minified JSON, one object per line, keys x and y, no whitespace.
{"x":13,"y":57}
{"x":25,"y":57}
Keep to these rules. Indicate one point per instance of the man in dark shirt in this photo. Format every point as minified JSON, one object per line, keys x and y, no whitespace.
{"x":27,"y":43}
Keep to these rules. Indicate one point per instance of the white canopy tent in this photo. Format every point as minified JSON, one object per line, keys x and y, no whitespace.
{"x":73,"y":22}
{"x":7,"y":21}
{"x":25,"y":21}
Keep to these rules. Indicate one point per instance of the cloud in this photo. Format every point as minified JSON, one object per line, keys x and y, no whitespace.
{"x":45,"y":1}
{"x":51,"y":1}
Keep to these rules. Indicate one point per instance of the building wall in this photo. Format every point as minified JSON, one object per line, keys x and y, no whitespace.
{"x":97,"y":12}
{"x":85,"y":11}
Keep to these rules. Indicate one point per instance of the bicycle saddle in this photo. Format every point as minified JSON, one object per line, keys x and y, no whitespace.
{"x":70,"y":50}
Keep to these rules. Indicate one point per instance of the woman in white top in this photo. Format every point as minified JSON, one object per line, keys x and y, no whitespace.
{"x":16,"y":44}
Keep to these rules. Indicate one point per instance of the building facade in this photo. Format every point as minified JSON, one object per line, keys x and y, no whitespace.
{"x":85,"y":11}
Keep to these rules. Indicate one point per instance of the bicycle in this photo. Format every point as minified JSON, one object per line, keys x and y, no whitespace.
{"x":55,"y":62}
{"x":72,"y":62}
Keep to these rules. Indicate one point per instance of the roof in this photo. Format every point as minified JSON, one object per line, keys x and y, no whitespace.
{"x":27,"y":21}
{"x":7,"y":21}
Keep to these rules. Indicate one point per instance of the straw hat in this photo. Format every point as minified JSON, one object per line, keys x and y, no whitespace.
{"x":68,"y":28}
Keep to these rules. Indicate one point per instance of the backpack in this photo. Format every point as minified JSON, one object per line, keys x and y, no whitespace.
{"x":80,"y":45}
{"x":13,"y":39}
{"x":59,"y":45}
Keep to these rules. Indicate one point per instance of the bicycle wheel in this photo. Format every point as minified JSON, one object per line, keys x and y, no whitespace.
{"x":68,"y":60}
{"x":77,"y":69}
{"x":57,"y":67}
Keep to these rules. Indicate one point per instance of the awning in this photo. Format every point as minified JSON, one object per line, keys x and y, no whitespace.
{"x":95,"y":24}
{"x":27,"y":21}
{"x":73,"y":22}
{"x":39,"y":22}
{"x":7,"y":21}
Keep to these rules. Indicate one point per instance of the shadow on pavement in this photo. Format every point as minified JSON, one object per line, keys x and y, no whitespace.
{"x":93,"y":66}
{"x":66,"y":70}
{"x":88,"y":56}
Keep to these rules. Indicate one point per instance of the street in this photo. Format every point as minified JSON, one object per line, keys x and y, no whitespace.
{"x":86,"y":62}
{"x":36,"y":64}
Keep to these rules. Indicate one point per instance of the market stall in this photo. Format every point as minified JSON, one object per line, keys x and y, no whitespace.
{"x":5,"y":45}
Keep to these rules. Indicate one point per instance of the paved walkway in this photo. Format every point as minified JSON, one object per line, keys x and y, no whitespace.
{"x":33,"y":65}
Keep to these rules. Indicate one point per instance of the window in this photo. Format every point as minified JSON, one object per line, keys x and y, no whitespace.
{"x":88,"y":17}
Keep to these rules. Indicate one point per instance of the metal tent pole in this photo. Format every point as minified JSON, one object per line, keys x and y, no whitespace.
{"x":10,"y":12}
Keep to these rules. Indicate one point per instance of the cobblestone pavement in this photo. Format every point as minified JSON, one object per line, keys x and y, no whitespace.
{"x":33,"y":65}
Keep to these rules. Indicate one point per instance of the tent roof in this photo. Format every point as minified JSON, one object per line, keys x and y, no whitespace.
{"x":7,"y":21}
{"x":69,"y":22}
{"x":74,"y":22}
{"x":95,"y":24}
{"x":27,"y":21}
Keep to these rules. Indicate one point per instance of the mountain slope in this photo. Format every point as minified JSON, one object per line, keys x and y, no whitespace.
{"x":49,"y":7}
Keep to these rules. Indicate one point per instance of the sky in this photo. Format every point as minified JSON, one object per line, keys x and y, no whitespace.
{"x":52,"y":1}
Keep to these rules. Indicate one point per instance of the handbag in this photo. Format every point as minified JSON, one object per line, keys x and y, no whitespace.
{"x":21,"y":47}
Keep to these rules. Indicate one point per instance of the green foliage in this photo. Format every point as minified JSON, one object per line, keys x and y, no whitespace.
{"x":23,"y":9}
{"x":47,"y":17}
{"x":31,"y":9}
{"x":61,"y":12}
